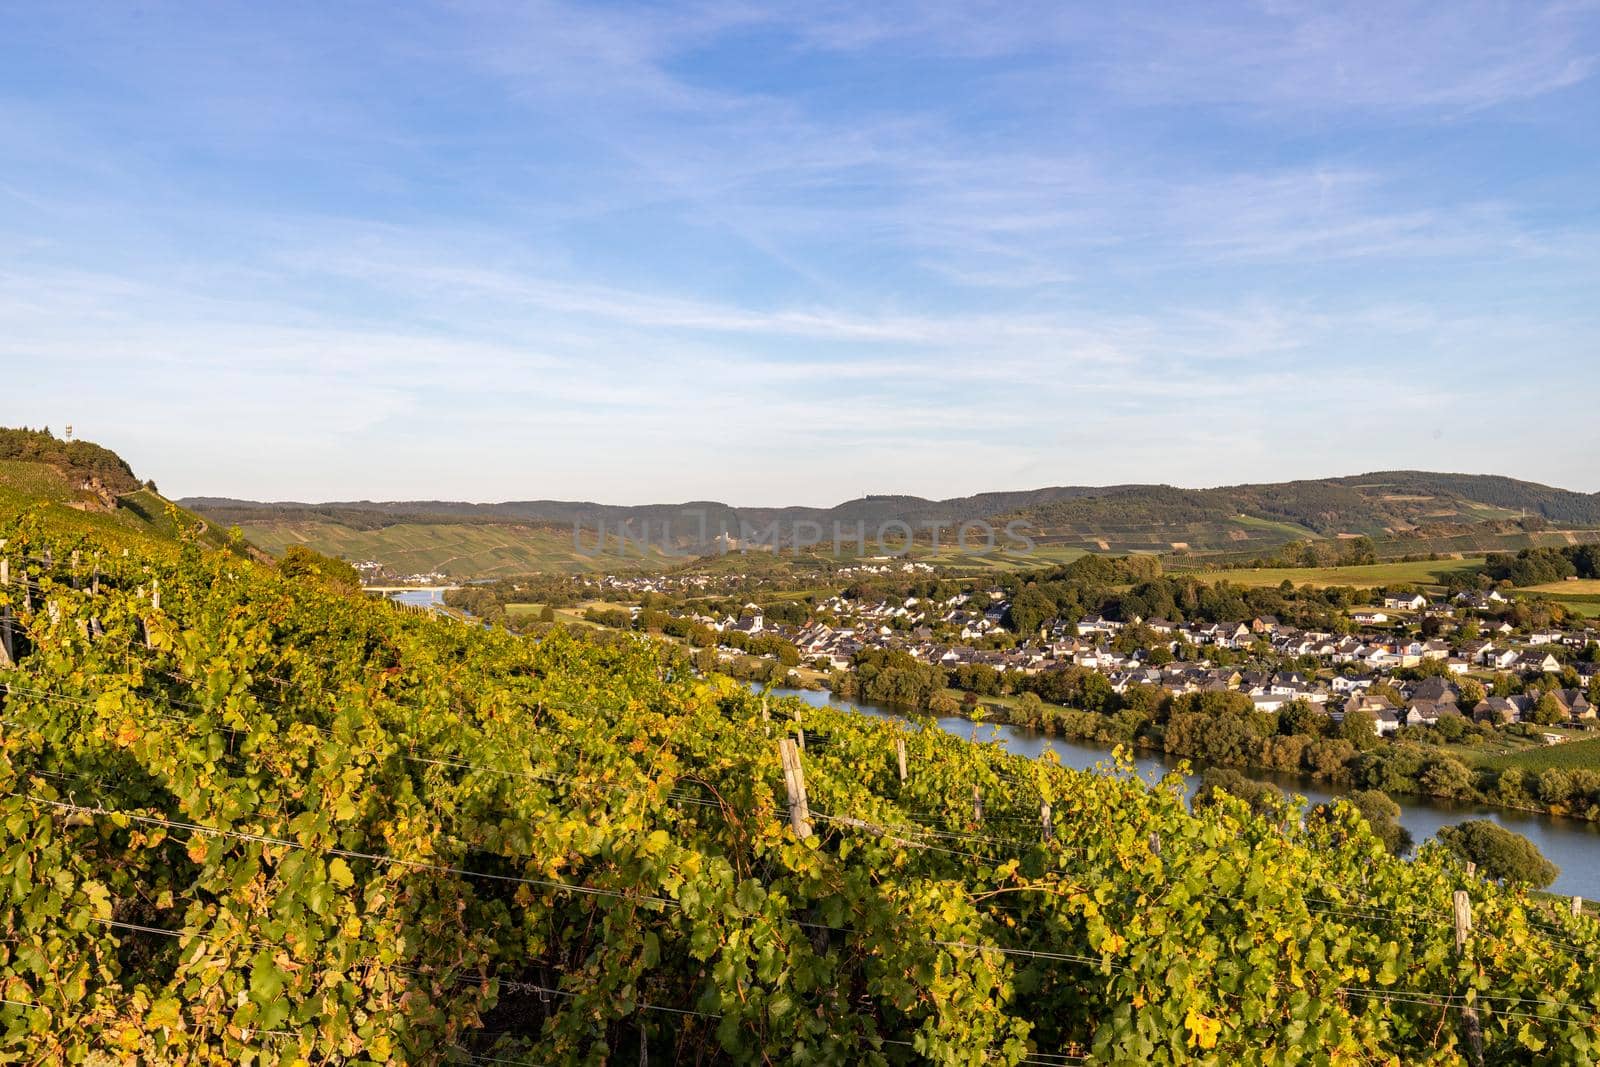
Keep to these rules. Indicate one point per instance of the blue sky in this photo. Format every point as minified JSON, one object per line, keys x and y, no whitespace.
{"x":790,"y":253}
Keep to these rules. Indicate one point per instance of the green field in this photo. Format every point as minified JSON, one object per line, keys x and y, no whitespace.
{"x":1422,"y":572}
{"x":1573,"y":755}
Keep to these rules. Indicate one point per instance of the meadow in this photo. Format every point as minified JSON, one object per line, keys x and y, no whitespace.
{"x":1420,"y":572}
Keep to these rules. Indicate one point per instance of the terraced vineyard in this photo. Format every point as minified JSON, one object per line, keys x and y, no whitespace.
{"x":250,"y":820}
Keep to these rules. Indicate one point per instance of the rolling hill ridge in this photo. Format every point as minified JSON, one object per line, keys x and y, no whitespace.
{"x":1403,"y":512}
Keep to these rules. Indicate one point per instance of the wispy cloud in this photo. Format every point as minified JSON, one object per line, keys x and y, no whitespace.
{"x":761,"y":250}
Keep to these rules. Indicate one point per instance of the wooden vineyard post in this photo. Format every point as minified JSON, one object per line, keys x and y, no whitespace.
{"x":1463,"y":919}
{"x":794,"y":781}
{"x":75,"y":584}
{"x":1577,"y":905}
{"x":1472,"y":869}
{"x":94,"y":586}
{"x":1155,"y":844}
{"x":155,"y":593}
{"x":7,"y":651}
{"x":900,"y":754}
{"x":1469,"y":1015}
{"x":1044,"y":822}
{"x":977,"y":805}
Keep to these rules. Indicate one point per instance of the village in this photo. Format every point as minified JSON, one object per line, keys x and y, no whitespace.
{"x":1467,"y":670}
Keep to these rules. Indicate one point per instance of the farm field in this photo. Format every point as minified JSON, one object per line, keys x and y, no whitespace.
{"x":1581,"y":596}
{"x":1043,"y":555}
{"x":570,"y":616}
{"x":1578,"y":587}
{"x":1421,"y":572}
{"x":1571,"y":755}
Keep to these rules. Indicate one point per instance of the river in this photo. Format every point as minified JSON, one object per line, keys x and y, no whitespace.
{"x":1571,"y":844}
{"x":420,"y":598}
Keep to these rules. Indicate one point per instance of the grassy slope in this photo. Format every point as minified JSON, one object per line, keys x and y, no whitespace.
{"x":1424,"y":572}
{"x":141,"y":513}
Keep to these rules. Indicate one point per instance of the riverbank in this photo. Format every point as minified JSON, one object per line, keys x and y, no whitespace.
{"x":1500,"y":769}
{"x":1395,"y":786}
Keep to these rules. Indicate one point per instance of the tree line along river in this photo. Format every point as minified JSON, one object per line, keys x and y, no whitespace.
{"x":1571,"y":844}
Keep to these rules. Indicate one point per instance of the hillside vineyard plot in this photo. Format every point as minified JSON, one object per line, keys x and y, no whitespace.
{"x":249,"y":820}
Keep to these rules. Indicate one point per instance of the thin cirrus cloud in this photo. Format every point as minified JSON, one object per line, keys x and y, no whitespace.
{"x":787,"y":252}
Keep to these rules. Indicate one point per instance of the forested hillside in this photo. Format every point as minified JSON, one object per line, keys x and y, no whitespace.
{"x":251,"y":819}
{"x":76,"y":460}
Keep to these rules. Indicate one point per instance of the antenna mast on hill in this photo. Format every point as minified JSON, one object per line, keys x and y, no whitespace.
{"x":69,"y":432}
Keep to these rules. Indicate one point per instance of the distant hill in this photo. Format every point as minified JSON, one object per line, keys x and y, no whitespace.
{"x":1404,"y":512}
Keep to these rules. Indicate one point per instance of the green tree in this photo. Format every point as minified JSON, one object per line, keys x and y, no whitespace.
{"x":1264,"y":798}
{"x":1360,"y":728}
{"x":301,"y":562}
{"x":1554,"y":786}
{"x":1299,"y":717}
{"x":1030,"y":608}
{"x":1383,"y":815}
{"x":1499,"y":853}
{"x":1549,"y":712}
{"x":1510,"y":787}
{"x":1359,"y":550}
{"x":1446,"y":777}
{"x":1029,"y":710}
